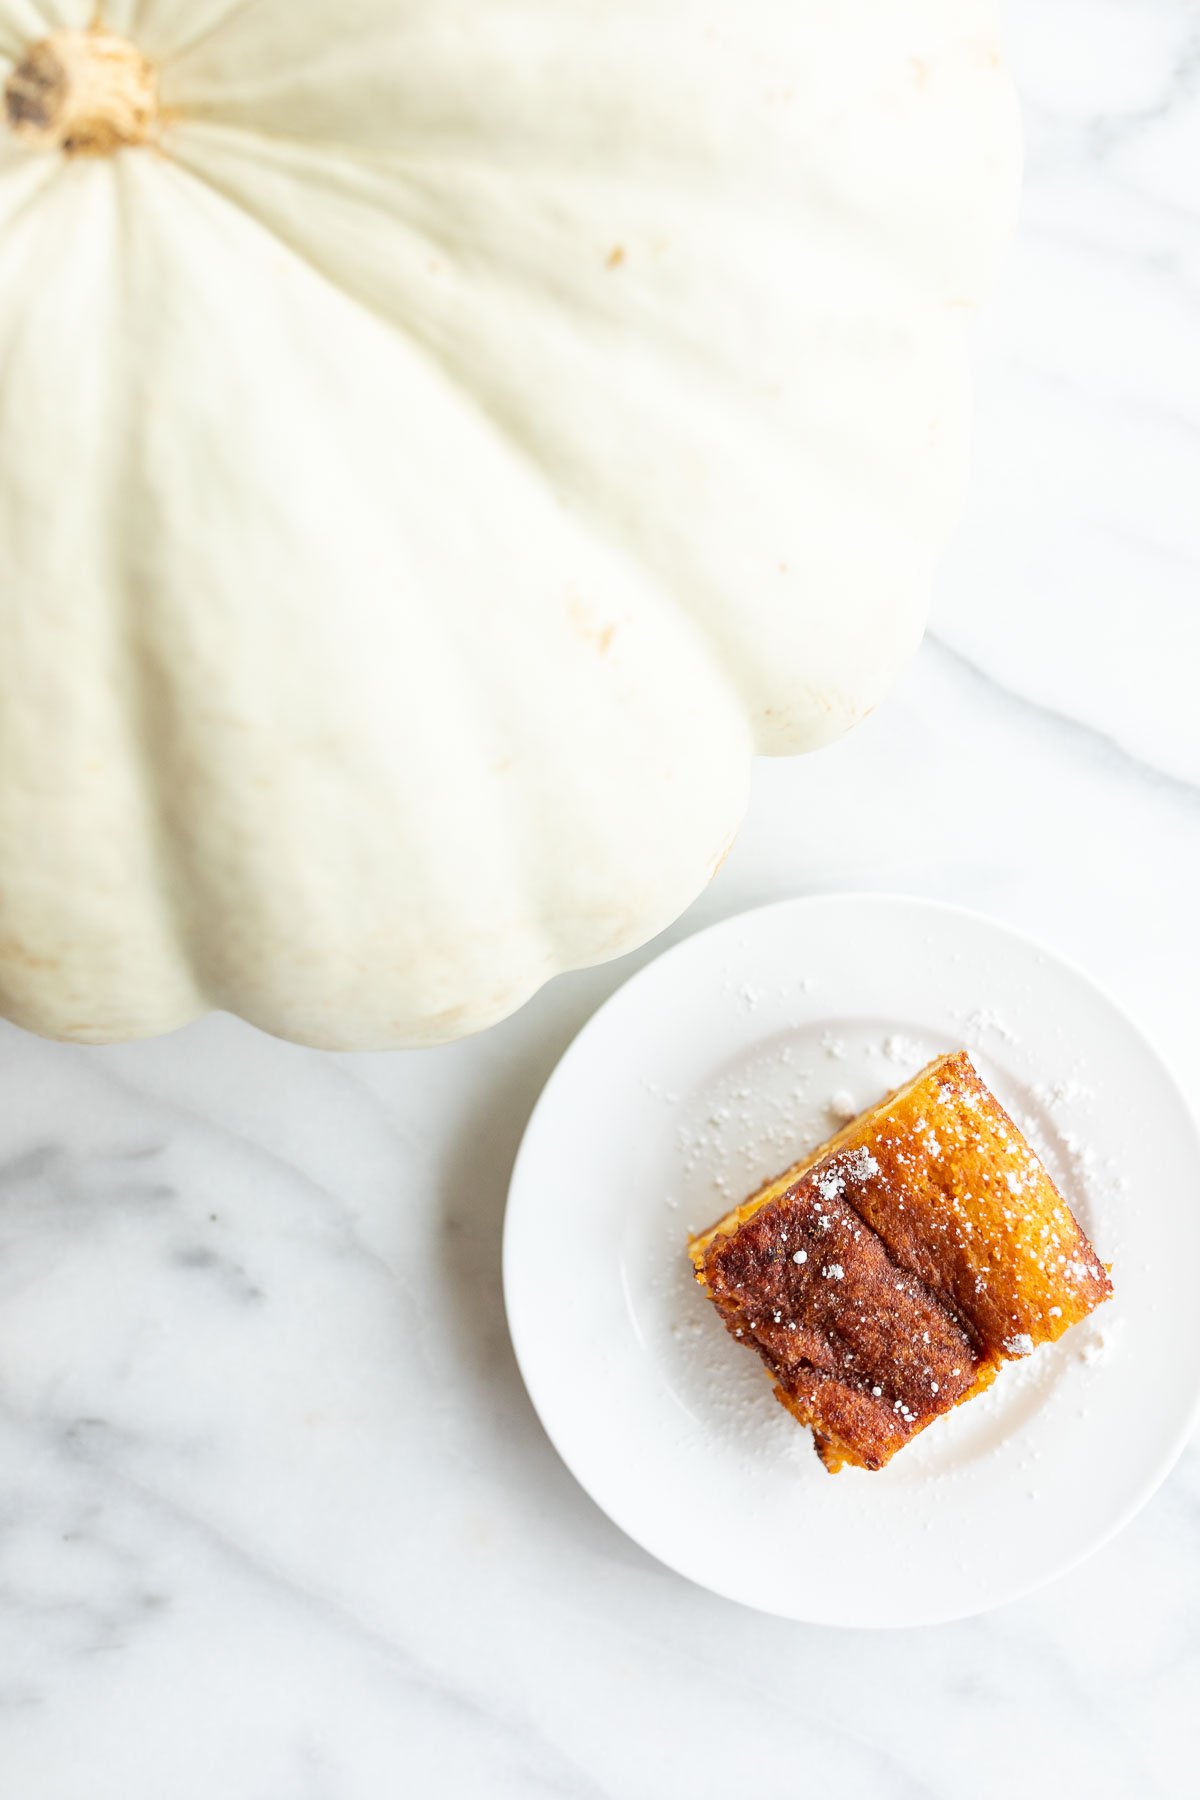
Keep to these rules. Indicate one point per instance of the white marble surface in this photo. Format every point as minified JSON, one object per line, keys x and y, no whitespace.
{"x":276,"y":1519}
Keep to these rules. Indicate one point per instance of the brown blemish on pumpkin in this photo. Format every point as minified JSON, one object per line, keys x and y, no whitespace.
{"x":616,"y":257}
{"x":599,"y":636}
{"x":17,"y":956}
{"x":920,"y":71}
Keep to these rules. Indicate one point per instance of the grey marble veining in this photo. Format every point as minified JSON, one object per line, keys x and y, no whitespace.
{"x":276,"y":1519}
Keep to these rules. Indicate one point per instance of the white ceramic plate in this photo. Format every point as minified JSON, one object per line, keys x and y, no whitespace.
{"x":713,"y":1069}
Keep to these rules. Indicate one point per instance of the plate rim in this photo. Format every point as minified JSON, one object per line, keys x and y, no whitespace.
{"x":1158,"y":1471}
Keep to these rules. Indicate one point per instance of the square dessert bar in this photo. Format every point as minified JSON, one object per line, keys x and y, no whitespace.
{"x":888,"y":1276}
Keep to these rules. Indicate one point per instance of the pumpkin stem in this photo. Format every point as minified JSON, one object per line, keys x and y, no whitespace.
{"x":86,"y":93}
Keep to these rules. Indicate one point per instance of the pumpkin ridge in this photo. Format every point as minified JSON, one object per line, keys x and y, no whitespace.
{"x":43,"y":173}
{"x":221,"y":20}
{"x":109,"y":923}
{"x":144,"y":695}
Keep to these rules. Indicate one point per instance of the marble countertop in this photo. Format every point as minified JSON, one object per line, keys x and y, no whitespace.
{"x":276,"y":1519}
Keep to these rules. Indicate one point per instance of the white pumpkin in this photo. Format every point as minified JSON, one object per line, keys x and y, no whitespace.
{"x":440,"y":442}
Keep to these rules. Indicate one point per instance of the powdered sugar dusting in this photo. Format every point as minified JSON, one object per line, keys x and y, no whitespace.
{"x":1101,"y":1341}
{"x":1066,"y":1092}
{"x":983,"y":1020}
{"x":902,"y":1050}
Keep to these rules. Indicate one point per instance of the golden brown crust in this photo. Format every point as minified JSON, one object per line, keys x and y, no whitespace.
{"x":888,"y":1276}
